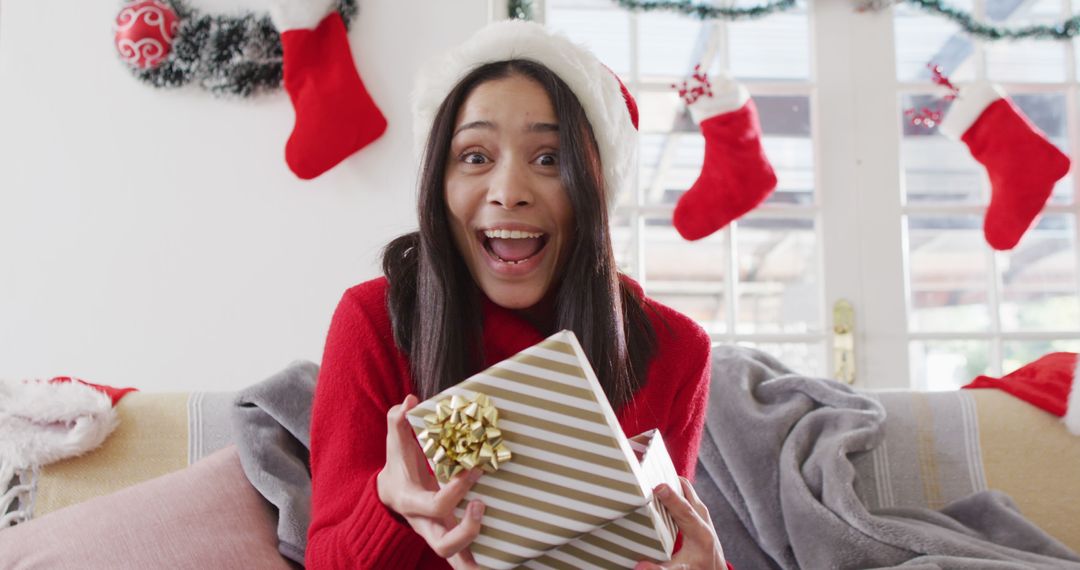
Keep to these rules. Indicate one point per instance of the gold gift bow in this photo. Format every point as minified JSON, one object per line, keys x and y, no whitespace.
{"x":462,"y":434}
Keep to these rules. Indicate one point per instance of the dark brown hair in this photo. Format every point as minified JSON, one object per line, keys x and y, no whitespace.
{"x":435,"y":306}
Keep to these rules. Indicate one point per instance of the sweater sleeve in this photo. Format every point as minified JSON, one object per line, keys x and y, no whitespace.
{"x":685,"y":423}
{"x":358,"y":382}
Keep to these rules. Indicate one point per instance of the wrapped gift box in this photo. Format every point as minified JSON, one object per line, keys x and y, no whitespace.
{"x":572,"y":491}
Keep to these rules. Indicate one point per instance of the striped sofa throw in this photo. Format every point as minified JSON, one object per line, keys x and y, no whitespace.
{"x":575,"y":492}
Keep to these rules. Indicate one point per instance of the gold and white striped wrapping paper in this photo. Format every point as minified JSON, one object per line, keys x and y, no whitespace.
{"x":577,"y":493}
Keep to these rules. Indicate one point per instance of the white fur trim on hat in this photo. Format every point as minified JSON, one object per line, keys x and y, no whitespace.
{"x":969,"y":104}
{"x":596,"y":88}
{"x":299,"y":14}
{"x":1072,"y":407}
{"x":43,"y":422}
{"x":727,"y":95}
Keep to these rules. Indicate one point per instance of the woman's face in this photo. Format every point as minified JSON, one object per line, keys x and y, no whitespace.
{"x":509,"y":213}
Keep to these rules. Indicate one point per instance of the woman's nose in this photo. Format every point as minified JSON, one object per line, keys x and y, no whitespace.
{"x":509,"y":186}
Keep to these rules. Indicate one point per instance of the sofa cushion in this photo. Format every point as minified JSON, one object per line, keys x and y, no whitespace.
{"x":939,"y":447}
{"x":158,"y":433}
{"x":204,"y":516}
{"x":1029,"y":454}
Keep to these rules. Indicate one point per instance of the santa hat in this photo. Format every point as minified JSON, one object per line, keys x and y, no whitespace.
{"x":44,"y":422}
{"x":608,"y":105}
{"x":1046,"y":383}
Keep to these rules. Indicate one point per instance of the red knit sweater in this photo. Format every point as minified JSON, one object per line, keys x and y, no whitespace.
{"x":363,"y":374}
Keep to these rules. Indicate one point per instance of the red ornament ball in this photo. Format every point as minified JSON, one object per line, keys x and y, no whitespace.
{"x":144,"y":32}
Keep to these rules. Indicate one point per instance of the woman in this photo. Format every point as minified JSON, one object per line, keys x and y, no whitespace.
{"x":527,"y":138}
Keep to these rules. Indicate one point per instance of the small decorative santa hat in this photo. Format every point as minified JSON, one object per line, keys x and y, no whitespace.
{"x":611,"y":110}
{"x":1047,"y":383}
{"x":43,"y":422}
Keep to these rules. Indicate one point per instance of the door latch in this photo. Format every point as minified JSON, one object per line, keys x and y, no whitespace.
{"x":844,"y":341}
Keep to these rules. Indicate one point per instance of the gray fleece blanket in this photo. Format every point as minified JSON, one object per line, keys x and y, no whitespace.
{"x":775,"y":471}
{"x":271,"y":428}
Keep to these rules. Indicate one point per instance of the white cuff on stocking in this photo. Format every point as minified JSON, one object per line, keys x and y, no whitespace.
{"x":727,"y":95}
{"x":969,"y":104}
{"x":299,"y":14}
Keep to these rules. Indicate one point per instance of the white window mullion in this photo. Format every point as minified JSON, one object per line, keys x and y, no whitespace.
{"x":858,"y":142}
{"x":993,"y":299}
{"x":731,"y":280}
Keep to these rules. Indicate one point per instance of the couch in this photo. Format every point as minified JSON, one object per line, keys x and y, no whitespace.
{"x":938,"y":447}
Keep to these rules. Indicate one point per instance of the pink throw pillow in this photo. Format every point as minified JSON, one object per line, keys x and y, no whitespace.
{"x":205,"y":516}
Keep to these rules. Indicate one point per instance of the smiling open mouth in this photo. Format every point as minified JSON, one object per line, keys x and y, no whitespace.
{"x":512,"y":246}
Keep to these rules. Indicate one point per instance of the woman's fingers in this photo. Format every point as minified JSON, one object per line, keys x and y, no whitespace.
{"x":397,"y":425}
{"x":460,"y":536}
{"x":690,"y":523}
{"x":695,"y":502}
{"x":440,"y":504}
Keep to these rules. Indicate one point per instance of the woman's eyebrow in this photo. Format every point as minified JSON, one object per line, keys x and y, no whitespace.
{"x":542,"y":128}
{"x":475,"y":125}
{"x":530,"y":128}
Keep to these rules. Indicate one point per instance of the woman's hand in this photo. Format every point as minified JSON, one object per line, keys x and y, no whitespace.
{"x":700,"y":548}
{"x":407,"y":487}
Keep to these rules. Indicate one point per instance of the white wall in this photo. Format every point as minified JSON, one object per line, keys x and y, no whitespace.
{"x":157,"y":239}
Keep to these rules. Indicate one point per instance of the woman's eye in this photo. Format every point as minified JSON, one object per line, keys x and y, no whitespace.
{"x":548,"y":160}
{"x":474,"y":158}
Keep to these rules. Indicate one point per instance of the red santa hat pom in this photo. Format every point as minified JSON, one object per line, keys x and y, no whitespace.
{"x":1047,"y":383}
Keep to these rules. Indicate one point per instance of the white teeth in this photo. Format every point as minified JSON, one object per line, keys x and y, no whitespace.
{"x":511,"y":234}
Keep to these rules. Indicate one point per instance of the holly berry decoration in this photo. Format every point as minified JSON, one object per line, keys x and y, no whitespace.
{"x":145,"y":32}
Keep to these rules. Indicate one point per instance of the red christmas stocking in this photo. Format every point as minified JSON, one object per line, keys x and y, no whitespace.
{"x":736,"y":175}
{"x":1023,"y":165}
{"x":335,"y":115}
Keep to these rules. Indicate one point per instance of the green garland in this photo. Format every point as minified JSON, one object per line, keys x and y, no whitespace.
{"x":1062,"y":31}
{"x":1065,"y":30}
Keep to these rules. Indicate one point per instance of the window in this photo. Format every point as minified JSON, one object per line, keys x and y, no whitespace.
{"x":758,"y":281}
{"x":868,"y":207}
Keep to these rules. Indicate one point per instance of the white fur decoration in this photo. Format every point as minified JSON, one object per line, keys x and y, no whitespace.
{"x":41,"y":423}
{"x":1072,"y":406}
{"x":595,"y":86}
{"x":727,"y":95}
{"x":968,"y":106}
{"x":298,"y":14}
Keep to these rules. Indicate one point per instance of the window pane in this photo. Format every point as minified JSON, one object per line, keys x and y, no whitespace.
{"x":669,"y":45}
{"x":785,"y":123}
{"x":778,"y":276}
{"x":772,"y":48}
{"x":661,"y":112}
{"x":804,"y":358}
{"x":923,"y":38}
{"x":948,"y":364}
{"x":1038,"y":277}
{"x":936,"y":168}
{"x":1025,"y":60}
{"x":606,"y":31}
{"x":687,"y":276}
{"x":671,"y":163}
{"x":948,"y":270}
{"x":1021,"y":352}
